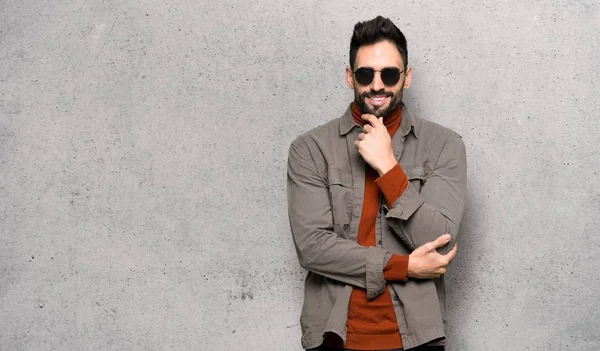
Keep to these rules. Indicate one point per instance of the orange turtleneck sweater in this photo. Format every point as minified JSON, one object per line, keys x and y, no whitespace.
{"x":372,"y":323}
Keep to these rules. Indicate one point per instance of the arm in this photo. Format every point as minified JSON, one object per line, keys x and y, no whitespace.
{"x":319,"y":249}
{"x":424,"y":262}
{"x":418,"y":218}
{"x":414,"y":220}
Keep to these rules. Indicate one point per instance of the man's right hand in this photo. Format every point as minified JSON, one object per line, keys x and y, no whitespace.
{"x":426,"y":263}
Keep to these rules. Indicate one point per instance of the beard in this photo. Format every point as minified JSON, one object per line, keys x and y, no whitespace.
{"x":378,"y":111}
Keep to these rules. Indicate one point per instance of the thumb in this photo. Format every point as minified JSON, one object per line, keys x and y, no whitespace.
{"x":441,"y":241}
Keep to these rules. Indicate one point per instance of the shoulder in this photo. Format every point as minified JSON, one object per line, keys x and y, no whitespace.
{"x":316,"y":136}
{"x":436,"y":134}
{"x":428,"y":129}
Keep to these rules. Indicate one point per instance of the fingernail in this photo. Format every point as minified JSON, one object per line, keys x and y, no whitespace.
{"x":448,"y":237}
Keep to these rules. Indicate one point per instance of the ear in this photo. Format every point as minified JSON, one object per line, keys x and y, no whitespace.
{"x":408,"y":78}
{"x":349,"y":77}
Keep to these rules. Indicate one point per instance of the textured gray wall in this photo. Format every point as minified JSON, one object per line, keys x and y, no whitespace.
{"x":143,"y":151}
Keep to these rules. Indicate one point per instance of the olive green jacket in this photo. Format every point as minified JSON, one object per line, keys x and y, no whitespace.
{"x":326,"y":178}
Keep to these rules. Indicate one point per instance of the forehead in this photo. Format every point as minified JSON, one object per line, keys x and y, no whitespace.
{"x":379,"y":55}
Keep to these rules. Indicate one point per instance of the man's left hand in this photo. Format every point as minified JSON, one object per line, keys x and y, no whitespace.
{"x":375,"y":145}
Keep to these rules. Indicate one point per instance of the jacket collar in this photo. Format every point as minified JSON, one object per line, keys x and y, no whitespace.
{"x":406,"y":124}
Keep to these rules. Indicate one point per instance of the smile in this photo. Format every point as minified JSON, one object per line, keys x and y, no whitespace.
{"x":378,"y":100}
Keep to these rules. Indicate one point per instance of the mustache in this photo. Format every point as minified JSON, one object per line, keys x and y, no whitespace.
{"x":381,"y":92}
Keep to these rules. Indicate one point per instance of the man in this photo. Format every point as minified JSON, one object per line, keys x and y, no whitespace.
{"x":375,"y":200}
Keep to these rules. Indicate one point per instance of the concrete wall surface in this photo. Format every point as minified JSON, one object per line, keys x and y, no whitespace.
{"x":143,"y":150}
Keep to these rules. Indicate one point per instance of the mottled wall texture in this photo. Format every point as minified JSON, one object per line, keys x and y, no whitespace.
{"x":143,"y":150}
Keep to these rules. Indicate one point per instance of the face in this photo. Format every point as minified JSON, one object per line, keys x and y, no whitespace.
{"x":377,"y":98}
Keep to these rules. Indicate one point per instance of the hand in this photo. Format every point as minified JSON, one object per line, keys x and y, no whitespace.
{"x":375,"y":145}
{"x":426,"y":263}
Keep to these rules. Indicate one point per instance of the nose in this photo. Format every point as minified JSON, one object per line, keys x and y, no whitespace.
{"x":377,"y":83}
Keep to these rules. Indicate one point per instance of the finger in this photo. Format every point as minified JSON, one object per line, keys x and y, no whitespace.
{"x":362,"y":136}
{"x":356,"y":143}
{"x":430,"y":246}
{"x":452,"y":253}
{"x":367,"y":128}
{"x":441,"y":241}
{"x":372,"y":120}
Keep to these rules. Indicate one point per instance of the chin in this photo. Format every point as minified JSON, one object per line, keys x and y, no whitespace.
{"x":379,"y":112}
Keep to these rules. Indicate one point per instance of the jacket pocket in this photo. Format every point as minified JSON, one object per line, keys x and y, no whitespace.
{"x":339,"y":183}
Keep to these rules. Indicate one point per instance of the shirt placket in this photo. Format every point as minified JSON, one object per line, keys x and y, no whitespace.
{"x":357,"y":165}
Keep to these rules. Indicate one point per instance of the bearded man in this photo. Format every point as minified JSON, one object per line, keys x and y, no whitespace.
{"x":375,"y":200}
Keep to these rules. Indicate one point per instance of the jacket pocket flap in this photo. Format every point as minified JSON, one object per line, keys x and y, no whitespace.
{"x":339,"y":176}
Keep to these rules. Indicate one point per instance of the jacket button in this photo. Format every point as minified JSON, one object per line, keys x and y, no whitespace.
{"x":379,"y":242}
{"x":395,"y":297}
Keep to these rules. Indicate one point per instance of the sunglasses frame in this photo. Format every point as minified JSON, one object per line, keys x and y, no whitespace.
{"x":380,"y":74}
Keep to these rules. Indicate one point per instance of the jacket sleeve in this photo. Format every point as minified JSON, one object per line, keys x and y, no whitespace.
{"x":418,"y":218}
{"x":318,"y":247}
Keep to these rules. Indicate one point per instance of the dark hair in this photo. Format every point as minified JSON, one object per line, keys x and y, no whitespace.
{"x":375,"y":31}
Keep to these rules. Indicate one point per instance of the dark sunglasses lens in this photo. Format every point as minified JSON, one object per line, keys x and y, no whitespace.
{"x":390,"y":76}
{"x":364,"y":76}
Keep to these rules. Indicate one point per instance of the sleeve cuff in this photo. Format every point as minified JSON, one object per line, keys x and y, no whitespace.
{"x":396,"y":268}
{"x":392,"y":184}
{"x":407,"y":204}
{"x":375,"y":280}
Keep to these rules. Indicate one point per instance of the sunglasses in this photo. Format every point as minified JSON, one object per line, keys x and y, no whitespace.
{"x":389,"y":75}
